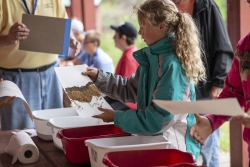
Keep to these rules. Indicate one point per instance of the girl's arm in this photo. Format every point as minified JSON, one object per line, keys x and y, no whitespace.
{"x":151,"y":119}
{"x":233,"y":88}
{"x":117,"y":87}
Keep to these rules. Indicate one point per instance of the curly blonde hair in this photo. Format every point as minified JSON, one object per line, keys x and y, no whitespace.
{"x":187,"y":38}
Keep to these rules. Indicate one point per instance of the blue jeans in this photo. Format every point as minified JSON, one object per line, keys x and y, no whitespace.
{"x":211,"y":150}
{"x":41,"y":90}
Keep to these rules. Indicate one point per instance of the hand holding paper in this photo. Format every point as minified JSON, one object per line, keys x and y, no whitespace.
{"x":244,"y":119}
{"x":81,"y":90}
{"x":8,"y":88}
{"x":106,"y":116}
{"x":91,"y":73}
{"x":201,"y":130}
{"x":8,"y":100}
{"x":18,"y":31}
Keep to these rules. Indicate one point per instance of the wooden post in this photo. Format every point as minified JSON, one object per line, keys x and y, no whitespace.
{"x":76,"y":9}
{"x":238,"y":12}
{"x":89,"y":14}
{"x":84,"y":10}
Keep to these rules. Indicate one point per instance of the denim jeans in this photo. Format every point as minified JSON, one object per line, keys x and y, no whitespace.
{"x":41,"y":90}
{"x":211,"y":150}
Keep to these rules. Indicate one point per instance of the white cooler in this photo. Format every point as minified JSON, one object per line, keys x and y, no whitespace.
{"x":99,"y":147}
{"x":41,"y":117}
{"x":57,"y":124}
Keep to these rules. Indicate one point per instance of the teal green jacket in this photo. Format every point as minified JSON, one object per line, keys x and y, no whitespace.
{"x":160,"y":75}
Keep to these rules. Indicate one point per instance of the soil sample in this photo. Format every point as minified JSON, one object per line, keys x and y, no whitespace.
{"x":83,"y":93}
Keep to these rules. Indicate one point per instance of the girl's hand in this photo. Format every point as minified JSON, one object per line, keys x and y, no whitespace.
{"x":91,"y":73}
{"x":201,"y":129}
{"x":244,"y":119}
{"x":106,"y":116}
{"x":215,"y":92}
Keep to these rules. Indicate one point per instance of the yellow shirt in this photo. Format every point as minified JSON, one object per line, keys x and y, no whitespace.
{"x":11,"y":12}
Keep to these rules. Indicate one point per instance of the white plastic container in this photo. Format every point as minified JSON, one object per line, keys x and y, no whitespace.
{"x":57,"y":124}
{"x":41,"y":117}
{"x":99,"y":147}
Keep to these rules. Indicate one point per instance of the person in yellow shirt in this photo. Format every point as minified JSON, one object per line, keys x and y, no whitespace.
{"x":33,"y":72}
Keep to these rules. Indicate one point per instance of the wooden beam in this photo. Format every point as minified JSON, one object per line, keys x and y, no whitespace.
{"x":238,"y":12}
{"x":89,"y":14}
{"x":76,"y":9}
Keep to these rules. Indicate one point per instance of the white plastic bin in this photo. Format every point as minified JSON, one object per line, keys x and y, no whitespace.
{"x":41,"y":117}
{"x":99,"y":147}
{"x":57,"y":124}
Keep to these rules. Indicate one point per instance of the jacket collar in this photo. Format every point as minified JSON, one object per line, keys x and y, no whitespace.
{"x":163,"y":46}
{"x":199,"y":5}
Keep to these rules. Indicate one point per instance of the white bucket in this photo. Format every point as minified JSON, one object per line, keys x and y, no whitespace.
{"x":99,"y":147}
{"x":57,"y":124}
{"x":41,"y":118}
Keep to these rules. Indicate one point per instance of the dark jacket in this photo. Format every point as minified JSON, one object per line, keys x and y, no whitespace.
{"x":216,"y":44}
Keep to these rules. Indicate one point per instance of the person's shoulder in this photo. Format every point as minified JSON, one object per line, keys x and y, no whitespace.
{"x":102,"y":55}
{"x":101,"y":52}
{"x":129,"y":52}
{"x":244,"y":43}
{"x":208,"y":2}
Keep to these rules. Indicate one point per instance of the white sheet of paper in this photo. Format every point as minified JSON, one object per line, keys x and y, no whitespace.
{"x":8,"y":88}
{"x":71,"y":76}
{"x":228,"y":106}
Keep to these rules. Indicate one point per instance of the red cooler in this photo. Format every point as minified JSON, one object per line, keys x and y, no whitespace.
{"x":74,"y":147}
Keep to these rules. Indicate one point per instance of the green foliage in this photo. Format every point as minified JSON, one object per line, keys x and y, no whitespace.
{"x":224,"y":137}
{"x":222,"y":4}
{"x":115,"y":12}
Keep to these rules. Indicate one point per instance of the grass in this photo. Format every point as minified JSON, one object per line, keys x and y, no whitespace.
{"x":224,"y":137}
{"x":115,"y":13}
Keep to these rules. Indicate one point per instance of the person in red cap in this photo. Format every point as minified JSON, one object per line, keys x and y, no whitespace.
{"x":124,"y":38}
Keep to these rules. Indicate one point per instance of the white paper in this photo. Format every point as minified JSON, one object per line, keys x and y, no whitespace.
{"x":22,"y":147}
{"x":70,"y":76}
{"x":8,"y":88}
{"x":228,"y":106}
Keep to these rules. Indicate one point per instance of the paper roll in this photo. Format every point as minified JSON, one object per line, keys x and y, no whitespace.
{"x":22,"y":147}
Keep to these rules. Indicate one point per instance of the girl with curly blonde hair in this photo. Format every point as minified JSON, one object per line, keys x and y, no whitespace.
{"x":168,"y":70}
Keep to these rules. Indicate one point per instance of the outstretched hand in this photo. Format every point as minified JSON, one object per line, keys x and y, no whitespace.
{"x":201,"y":129}
{"x":91,"y":73}
{"x":106,"y":116}
{"x":215,"y":92}
{"x":76,"y":45}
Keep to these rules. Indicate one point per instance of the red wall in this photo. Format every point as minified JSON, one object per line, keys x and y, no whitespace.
{"x":86,"y":11}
